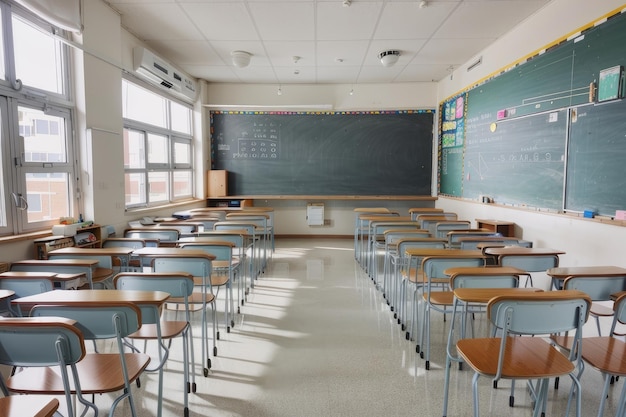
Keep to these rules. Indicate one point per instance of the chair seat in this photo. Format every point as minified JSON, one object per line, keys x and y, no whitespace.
{"x":601,"y":310}
{"x":194,"y":298}
{"x":442,"y":298}
{"x":169,"y":330}
{"x":102,"y":274}
{"x":605,"y":354}
{"x":98,"y":372}
{"x":525,"y":357}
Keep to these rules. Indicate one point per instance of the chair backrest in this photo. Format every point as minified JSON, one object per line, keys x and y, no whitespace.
{"x":482,"y":280}
{"x":539,"y":313}
{"x":434,"y":267}
{"x":42,"y":342}
{"x":442,"y":228}
{"x":598,"y":288}
{"x":455,"y":236}
{"x":619,"y":307}
{"x":25,"y":286}
{"x":196,"y":266}
{"x":177,"y":285}
{"x":222,"y":250}
{"x":184,"y":228}
{"x":535,"y":263}
{"x":104,"y":261}
{"x":111,"y":320}
{"x":408,"y":243}
{"x":126,"y":242}
{"x":161,"y":233}
{"x":471,"y":241}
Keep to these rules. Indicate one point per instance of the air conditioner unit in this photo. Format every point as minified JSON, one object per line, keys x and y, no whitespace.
{"x":157,"y":71}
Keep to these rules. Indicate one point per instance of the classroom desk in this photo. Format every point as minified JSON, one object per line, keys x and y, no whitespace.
{"x":528,"y":259}
{"x":59,"y":280}
{"x":123,"y":253}
{"x":58,"y":297}
{"x":28,"y":406}
{"x":559,"y":274}
{"x":72,"y":266}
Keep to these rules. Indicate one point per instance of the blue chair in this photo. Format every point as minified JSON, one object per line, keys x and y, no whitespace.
{"x":436,"y":295}
{"x":514,"y":356}
{"x":37,"y":344}
{"x":606,"y":354}
{"x":155,"y":327}
{"x":200,"y":267}
{"x":23,"y":287}
{"x":99,"y":321}
{"x":223,"y":269}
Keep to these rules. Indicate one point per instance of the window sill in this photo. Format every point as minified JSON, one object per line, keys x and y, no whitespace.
{"x":24,"y":236}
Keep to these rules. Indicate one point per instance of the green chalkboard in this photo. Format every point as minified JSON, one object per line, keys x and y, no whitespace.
{"x":324,"y":153}
{"x":517,"y":161}
{"x":523,"y":161}
{"x":596,"y":168}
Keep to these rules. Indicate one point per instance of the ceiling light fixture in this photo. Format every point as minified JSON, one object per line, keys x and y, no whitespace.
{"x":388,"y":58}
{"x":240,"y":59}
{"x":423,"y":4}
{"x":347,"y":3}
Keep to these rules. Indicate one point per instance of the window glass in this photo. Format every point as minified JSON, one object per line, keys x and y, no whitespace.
{"x":182,"y":153}
{"x":181,"y":118}
{"x":135,"y":185}
{"x":34,"y":50}
{"x":41,"y":142}
{"x":48,"y":196}
{"x":182,"y":184}
{"x":134,"y":150}
{"x":159,"y":186}
{"x":143,"y":106}
{"x":157,"y":149}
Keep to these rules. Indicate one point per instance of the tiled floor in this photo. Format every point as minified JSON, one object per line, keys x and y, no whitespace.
{"x":317,"y":339}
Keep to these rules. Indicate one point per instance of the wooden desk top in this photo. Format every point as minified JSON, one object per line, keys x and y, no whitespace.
{"x":52,"y":276}
{"x":425,"y":210}
{"x":495,"y":222}
{"x":521,"y":251}
{"x":62,"y":262}
{"x":28,"y":406}
{"x":483,"y":270}
{"x":432,"y":252}
{"x":587,"y":271}
{"x":372,"y":210}
{"x":483,"y":295}
{"x":113,"y":251}
{"x":172,"y":253}
{"x":93,"y":296}
{"x":377,"y":217}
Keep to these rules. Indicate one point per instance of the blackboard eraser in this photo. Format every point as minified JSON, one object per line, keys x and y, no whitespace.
{"x":589,"y":214}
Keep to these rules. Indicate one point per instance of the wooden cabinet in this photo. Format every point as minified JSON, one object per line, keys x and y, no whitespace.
{"x":86,"y":237}
{"x":507,"y":229}
{"x":217,"y":183}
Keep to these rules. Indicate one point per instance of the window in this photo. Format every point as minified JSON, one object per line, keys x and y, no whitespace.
{"x":37,"y":164}
{"x":158,"y":148}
